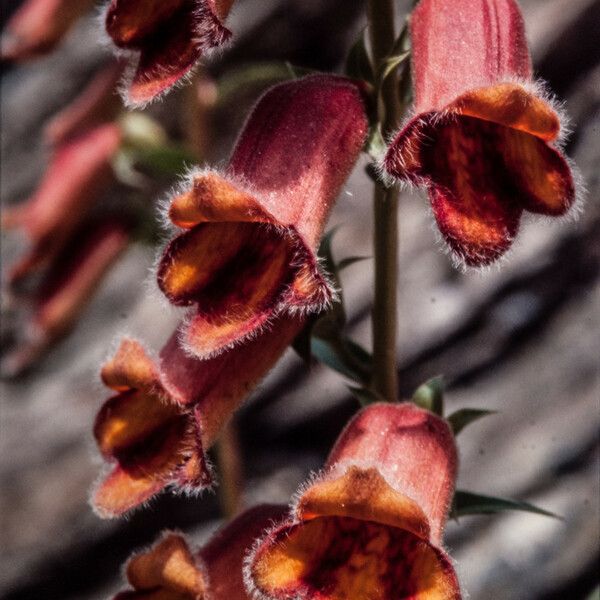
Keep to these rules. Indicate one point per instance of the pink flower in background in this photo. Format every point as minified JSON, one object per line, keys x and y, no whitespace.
{"x":38,"y":26}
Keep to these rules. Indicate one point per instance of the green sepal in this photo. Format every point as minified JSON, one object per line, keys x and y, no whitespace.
{"x":375,"y":144}
{"x":430,"y":395}
{"x":389,"y":65}
{"x":364,"y":395}
{"x":465,"y":416}
{"x":469,"y":503}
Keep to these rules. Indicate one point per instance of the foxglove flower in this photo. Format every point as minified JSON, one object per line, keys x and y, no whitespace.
{"x":484,"y":137}
{"x":67,"y":287}
{"x":38,"y":26}
{"x":96,"y":104}
{"x":167,"y":413}
{"x":247,"y":253}
{"x":370,"y":526}
{"x":170,"y":570}
{"x":78,"y":170}
{"x":166,"y":38}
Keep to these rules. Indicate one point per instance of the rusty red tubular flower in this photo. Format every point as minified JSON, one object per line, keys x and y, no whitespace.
{"x":370,"y":526}
{"x":78,"y":170}
{"x":167,"y":39}
{"x":484,"y":137}
{"x":96,"y":104}
{"x":166,"y":414}
{"x":38,"y":26}
{"x":247,"y":253}
{"x":170,"y":570}
{"x":68,"y":286}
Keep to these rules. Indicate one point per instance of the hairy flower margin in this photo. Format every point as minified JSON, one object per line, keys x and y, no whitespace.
{"x":168,"y":412}
{"x":247,"y":251}
{"x":369,"y":527}
{"x":249,"y":239}
{"x":485,"y":140}
{"x":164,"y":39}
{"x":170,"y":570}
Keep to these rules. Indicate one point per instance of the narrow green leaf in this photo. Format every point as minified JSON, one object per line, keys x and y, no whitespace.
{"x":358,"y":62}
{"x":402,"y":43}
{"x":364,"y":395}
{"x":469,"y":503}
{"x":359,"y":354}
{"x":326,"y":352}
{"x":430,"y":395}
{"x":390,"y":65}
{"x":302,"y":343}
{"x":341,"y":356}
{"x":465,"y":416}
{"x":296,"y":71}
{"x":351,"y":260}
{"x":167,"y":160}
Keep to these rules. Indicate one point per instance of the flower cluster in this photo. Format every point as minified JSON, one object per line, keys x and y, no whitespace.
{"x":71,"y":243}
{"x":246,"y":264}
{"x":369,"y":527}
{"x":242,"y":264}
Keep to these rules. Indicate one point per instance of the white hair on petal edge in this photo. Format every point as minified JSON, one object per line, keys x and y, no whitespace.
{"x":193,"y":549}
{"x":251,"y":553}
{"x":208,"y":41}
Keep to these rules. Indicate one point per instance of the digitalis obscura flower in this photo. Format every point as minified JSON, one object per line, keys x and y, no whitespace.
{"x":38,"y":26}
{"x":170,"y":570}
{"x":167,"y":39}
{"x":247,"y":253}
{"x":67,"y":287}
{"x":79,"y":170}
{"x":484,"y":137}
{"x":97,"y":103}
{"x":154,"y":433}
{"x":370,"y":526}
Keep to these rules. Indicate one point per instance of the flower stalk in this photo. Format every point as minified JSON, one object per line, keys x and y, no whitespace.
{"x":385,"y":205}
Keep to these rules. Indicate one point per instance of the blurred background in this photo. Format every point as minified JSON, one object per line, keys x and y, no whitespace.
{"x":523,"y":339}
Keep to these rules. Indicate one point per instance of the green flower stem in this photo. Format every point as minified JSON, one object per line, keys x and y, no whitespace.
{"x":385,"y":373}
